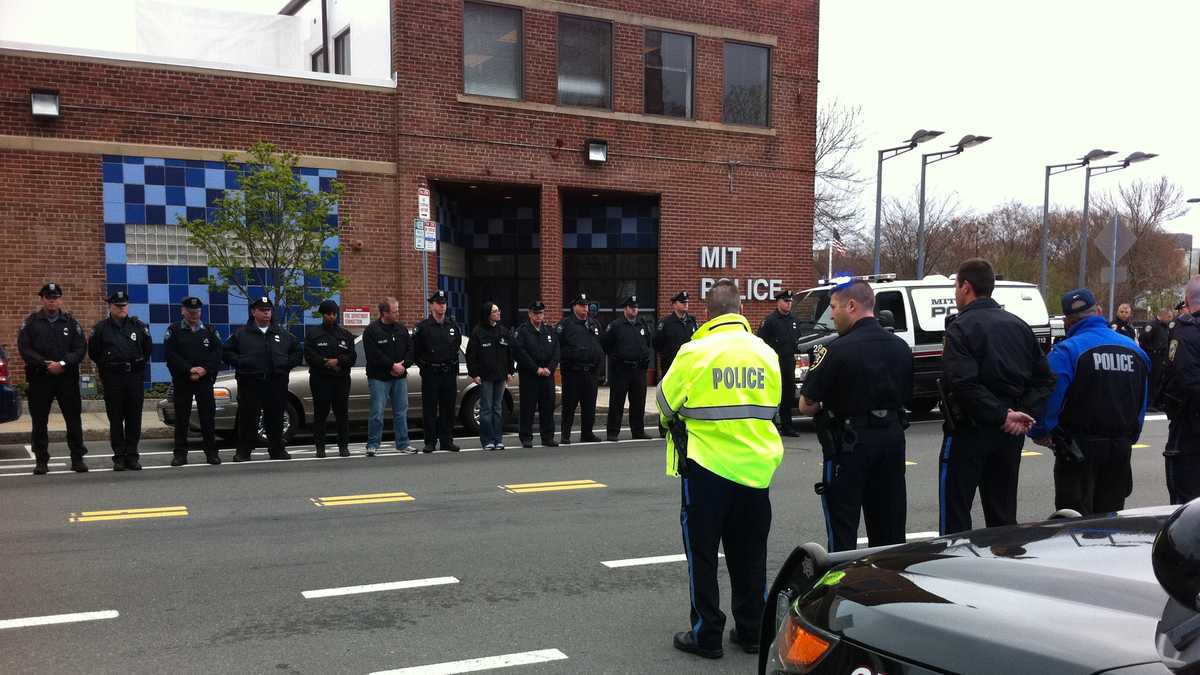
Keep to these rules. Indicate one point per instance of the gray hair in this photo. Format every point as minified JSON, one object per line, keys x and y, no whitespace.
{"x":1192,"y":292}
{"x":724,"y":298}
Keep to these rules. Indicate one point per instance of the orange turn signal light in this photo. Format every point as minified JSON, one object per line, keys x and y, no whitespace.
{"x":801,"y":648}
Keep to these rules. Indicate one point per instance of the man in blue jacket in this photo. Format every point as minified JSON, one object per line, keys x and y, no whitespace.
{"x":1095,"y":414}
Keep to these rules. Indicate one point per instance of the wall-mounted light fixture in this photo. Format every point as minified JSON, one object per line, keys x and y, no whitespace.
{"x":44,"y":103}
{"x":595,"y":151}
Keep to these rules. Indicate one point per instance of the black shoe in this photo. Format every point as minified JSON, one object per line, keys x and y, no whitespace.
{"x":429,"y":448}
{"x":526,"y":444}
{"x":78,"y":466}
{"x":118,"y":465}
{"x":321,"y":452}
{"x":565,"y":440}
{"x":450,"y":447}
{"x":611,"y":439}
{"x":213,"y":459}
{"x":686,"y":642}
{"x":238,"y":457}
{"x":41,"y":469}
{"x":179,"y":460}
{"x":132,"y":466}
{"x":589,"y":438}
{"x":642,"y":437}
{"x":790,"y":433}
{"x":550,"y":443}
{"x":747,"y":646}
{"x":343,"y":452}
{"x":282,"y":455}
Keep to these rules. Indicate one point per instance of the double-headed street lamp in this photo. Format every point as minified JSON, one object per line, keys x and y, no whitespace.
{"x":968,"y":141}
{"x":1133,"y":158}
{"x":920,"y":136}
{"x":1051,"y":170}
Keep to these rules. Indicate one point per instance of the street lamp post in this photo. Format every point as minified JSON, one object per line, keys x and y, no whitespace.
{"x":1087,"y":186}
{"x":1052,"y":170}
{"x":968,"y":141}
{"x":920,"y":136}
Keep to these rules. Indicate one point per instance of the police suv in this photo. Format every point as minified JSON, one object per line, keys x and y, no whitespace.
{"x":918,"y":311}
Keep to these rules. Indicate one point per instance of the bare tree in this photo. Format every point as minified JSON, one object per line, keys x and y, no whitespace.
{"x":944,"y":230}
{"x":1153,"y":262}
{"x":838,"y":183}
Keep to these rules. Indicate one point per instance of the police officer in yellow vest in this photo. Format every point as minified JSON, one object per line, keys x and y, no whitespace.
{"x":719,"y":400}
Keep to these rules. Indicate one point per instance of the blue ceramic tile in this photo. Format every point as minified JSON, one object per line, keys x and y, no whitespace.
{"x":139,"y":293}
{"x":326,"y":184}
{"x":238,"y":314}
{"x":159,"y":372}
{"x":156,"y":215}
{"x":155,"y":161}
{"x":194,"y":163}
{"x":331,"y":220}
{"x":218,"y":313}
{"x":176,"y":176}
{"x":331,"y":263}
{"x":304,"y":171}
{"x":327,"y":173}
{"x":155,"y":175}
{"x":135,"y":194}
{"x":194,"y":178}
{"x":313,"y":183}
{"x":176,"y":162}
{"x":177,"y":293}
{"x":233,"y":180}
{"x":177,"y":274}
{"x":133,"y":174}
{"x":195,"y":212}
{"x":114,"y":193}
{"x":174,"y":213}
{"x":196,"y":273}
{"x":110,"y":159}
{"x":114,"y":254}
{"x":176,"y":196}
{"x":211,"y":197}
{"x":157,"y":274}
{"x":194,"y":196}
{"x":114,"y":233}
{"x":160,"y":314}
{"x":139,"y":309}
{"x":158,"y":332}
{"x":135,"y":214}
{"x":214,"y":179}
{"x":133,"y":160}
{"x":135,"y":274}
{"x":156,"y":195}
{"x":197,"y":290}
{"x":159,"y":294}
{"x":212,"y":164}
{"x":569,"y":240}
{"x":297,"y":331}
{"x":628,"y":241}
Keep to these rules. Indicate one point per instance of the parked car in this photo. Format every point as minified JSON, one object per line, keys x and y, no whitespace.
{"x":299,"y":410}
{"x":10,"y":398}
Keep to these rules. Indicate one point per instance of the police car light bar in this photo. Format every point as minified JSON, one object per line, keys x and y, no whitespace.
{"x":864,"y":277}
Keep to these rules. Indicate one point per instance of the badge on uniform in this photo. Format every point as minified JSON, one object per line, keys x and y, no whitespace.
{"x":277,"y":338}
{"x":1147,"y":329}
{"x":66,"y":331}
{"x":549,"y":339}
{"x":133,"y":336}
{"x":205,"y":341}
{"x":818,"y":356}
{"x":641,"y":331}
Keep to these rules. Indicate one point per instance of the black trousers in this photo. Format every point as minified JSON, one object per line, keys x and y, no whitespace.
{"x":44,"y":389}
{"x":787,"y":402}
{"x":265,"y":397}
{"x":330,"y":392}
{"x":1182,"y":463}
{"x":1098,"y":484}
{"x":716,"y":510}
{"x":624,"y":379}
{"x":124,"y":393}
{"x":871,"y":480}
{"x":985,"y":459}
{"x":202,"y":391}
{"x":537,"y":395}
{"x":579,"y":388}
{"x":438,"y":388}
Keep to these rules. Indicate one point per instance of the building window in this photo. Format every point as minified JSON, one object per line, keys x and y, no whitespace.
{"x":668,"y":78}
{"x":491,"y":50}
{"x":318,"y":61}
{"x":341,"y":53}
{"x":747,"y":84}
{"x":584,"y":62}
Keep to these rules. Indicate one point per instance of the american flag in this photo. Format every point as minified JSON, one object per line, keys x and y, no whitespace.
{"x":838,"y":246}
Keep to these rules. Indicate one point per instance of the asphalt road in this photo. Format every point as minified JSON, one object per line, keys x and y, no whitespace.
{"x":217,"y":585}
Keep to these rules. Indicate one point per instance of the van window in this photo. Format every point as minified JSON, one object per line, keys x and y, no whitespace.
{"x":893,"y":301}
{"x":815,"y":308}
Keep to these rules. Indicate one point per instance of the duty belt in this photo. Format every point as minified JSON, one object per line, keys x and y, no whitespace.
{"x":124,"y":366}
{"x":874,"y":418}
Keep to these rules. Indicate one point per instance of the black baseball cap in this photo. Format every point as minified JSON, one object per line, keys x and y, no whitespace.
{"x":1078,"y":300}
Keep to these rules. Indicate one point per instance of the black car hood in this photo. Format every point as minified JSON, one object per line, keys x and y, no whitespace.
{"x":1064,"y":596}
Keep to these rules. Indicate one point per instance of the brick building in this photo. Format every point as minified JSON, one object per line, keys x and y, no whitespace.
{"x":705,"y":112}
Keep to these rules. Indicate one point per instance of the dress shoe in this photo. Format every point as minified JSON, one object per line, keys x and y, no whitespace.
{"x":345,"y":452}
{"x":748,"y":646}
{"x":321,"y":452}
{"x":41,"y":469}
{"x":179,"y":460}
{"x":686,"y":642}
{"x":132,"y":466}
{"x":282,"y":455}
{"x":213,"y":459}
{"x":450,"y":447}
{"x":611,"y":439}
{"x":428,"y":448}
{"x":790,"y":433}
{"x":78,"y":466}
{"x":566,"y":440}
{"x":589,"y":438}
{"x":550,"y":443}
{"x":642,"y":437}
{"x":118,"y":465}
{"x":239,"y":457}
{"x":526,"y":444}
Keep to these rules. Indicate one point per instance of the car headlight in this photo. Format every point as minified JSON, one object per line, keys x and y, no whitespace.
{"x":798,"y":647}
{"x":222,"y":394}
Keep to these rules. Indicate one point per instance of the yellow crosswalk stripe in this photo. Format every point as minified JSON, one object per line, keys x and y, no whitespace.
{"x":127,"y":514}
{"x":372,"y":498}
{"x":551,"y":486}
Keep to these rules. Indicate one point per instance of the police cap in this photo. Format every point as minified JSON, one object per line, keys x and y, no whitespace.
{"x":681,"y":296}
{"x":328,"y":307}
{"x":537,"y":306}
{"x":631,"y":301}
{"x":1078,"y":300}
{"x":783,"y":295}
{"x":51,"y":290}
{"x":581,"y":299}
{"x":118,"y":298}
{"x":262,"y":302}
{"x":192,"y":302}
{"x":439,"y":297}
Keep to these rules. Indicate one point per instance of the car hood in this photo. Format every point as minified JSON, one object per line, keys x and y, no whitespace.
{"x":1064,"y":596}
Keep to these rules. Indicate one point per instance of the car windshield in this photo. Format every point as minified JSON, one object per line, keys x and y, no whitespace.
{"x":814,"y":308}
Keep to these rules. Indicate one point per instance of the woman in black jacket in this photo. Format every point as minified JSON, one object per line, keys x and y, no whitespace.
{"x":490,"y":366}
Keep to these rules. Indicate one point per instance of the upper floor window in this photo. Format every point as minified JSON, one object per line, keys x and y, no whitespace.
{"x":669,"y":74}
{"x":341,"y":53}
{"x":491,"y":50}
{"x":584,"y":62}
{"x":747,"y":84}
{"x":318,"y":61}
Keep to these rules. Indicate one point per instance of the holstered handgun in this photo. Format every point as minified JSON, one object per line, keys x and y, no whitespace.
{"x":952,"y":412}
{"x":678,"y":431}
{"x":1065,"y":448}
{"x":828,"y":433}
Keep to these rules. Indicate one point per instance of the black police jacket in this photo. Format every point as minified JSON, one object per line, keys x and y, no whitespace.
{"x":385,"y":344}
{"x":535,"y":347}
{"x":1124,"y":328}
{"x":185,"y":349}
{"x":673,"y":333}
{"x":579,"y":343}
{"x":1180,"y":396}
{"x":329,"y":342}
{"x":489,"y":353}
{"x":42,"y":339}
{"x":992,"y":362}
{"x":869,"y":368}
{"x":1154,"y":339}
{"x":436,"y":344}
{"x":780,"y":332}
{"x":256,"y":354}
{"x":628,"y":342}
{"x":120,"y":345}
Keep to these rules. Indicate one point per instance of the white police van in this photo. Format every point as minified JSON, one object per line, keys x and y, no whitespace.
{"x":918,"y":315}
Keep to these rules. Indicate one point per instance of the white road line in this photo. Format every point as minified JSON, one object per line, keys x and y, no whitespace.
{"x":911,"y":536}
{"x":485,"y":663}
{"x":652,"y":560}
{"x":375,"y":588}
{"x":28,"y":466}
{"x":1156,"y":418}
{"x":58,"y":618}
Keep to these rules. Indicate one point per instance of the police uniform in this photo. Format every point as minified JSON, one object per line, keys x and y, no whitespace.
{"x":1095,"y":414}
{"x":59,"y":338}
{"x":781,"y":332}
{"x":718,"y":400}
{"x":120,"y":348}
{"x":863,"y":380}
{"x":1124,"y":328}
{"x":1180,"y":399}
{"x":1154,"y":339}
{"x":672,"y":333}
{"x":263,"y":358}
{"x":185,"y":348}
{"x":330,"y":386}
{"x":991,"y":363}
{"x":435,"y":351}
{"x":582,"y":355}
{"x":536,"y":348}
{"x":627,"y":343}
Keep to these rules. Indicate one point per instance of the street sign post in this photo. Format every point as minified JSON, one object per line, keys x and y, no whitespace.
{"x":425,"y":241}
{"x":356,"y":317}
{"x":1114,"y":242}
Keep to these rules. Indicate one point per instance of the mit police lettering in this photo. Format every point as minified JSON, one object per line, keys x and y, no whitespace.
{"x":741,"y":377}
{"x":1122,"y":363}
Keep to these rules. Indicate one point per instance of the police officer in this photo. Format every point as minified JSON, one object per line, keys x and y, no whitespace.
{"x":858,"y":386}
{"x":535,"y":346}
{"x":1154,"y":338}
{"x":1180,"y":399}
{"x":994,"y":376}
{"x":436,"y":341}
{"x":193,"y":353}
{"x":627,"y":343}
{"x":1121,"y":322}
{"x":718,"y":400}
{"x":120,"y":348}
{"x":263,"y":355}
{"x":51,"y":344}
{"x":1095,"y":414}
{"x":329,"y":351}
{"x":781,"y":332}
{"x":672,"y":333}
{"x":582,"y":355}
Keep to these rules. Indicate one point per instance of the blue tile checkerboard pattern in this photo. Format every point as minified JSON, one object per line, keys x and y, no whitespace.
{"x":629,"y":224}
{"x":456,"y":297}
{"x":157,"y":191}
{"x":479,"y":227}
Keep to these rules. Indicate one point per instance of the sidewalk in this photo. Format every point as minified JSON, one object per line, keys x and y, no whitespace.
{"x":95,"y":424}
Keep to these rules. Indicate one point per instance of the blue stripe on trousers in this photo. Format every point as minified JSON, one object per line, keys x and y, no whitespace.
{"x":687,"y":547}
{"x":945,"y":468}
{"x":825,"y":502}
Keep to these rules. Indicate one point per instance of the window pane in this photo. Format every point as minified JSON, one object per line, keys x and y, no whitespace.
{"x":668,"y":75}
{"x":491,"y":50}
{"x":318,"y":61}
{"x":341,"y":53}
{"x":584,"y":62}
{"x":747,"y":84}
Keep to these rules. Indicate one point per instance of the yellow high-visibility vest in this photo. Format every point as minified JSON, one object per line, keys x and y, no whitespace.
{"x":724,"y":388}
